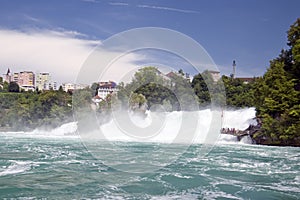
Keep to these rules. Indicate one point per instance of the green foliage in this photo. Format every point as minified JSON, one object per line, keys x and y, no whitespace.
{"x":174,"y":92}
{"x":13,"y":87}
{"x":180,"y":71}
{"x":95,"y":87}
{"x":201,"y":89}
{"x":182,"y":95}
{"x":278,"y":95}
{"x":238,"y":93}
{"x":82,"y":99}
{"x":60,"y":89}
{"x":123,"y":95}
{"x":137,"y":101}
{"x":149,"y":84}
{"x":145,"y":76}
{"x":28,"y":110}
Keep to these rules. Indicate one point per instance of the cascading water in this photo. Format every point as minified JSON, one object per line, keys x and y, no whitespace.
{"x":171,"y":125}
{"x":238,"y":120}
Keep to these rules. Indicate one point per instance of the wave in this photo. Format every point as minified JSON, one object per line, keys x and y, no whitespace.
{"x":68,"y":130}
{"x":231,"y":139}
{"x":16,"y":167}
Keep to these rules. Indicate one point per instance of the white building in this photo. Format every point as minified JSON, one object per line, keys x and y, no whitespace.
{"x":105,"y":88}
{"x":103,"y":92}
{"x":72,"y":86}
{"x":42,"y":81}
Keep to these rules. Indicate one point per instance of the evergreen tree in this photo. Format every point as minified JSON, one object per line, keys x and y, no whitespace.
{"x":278,"y":104}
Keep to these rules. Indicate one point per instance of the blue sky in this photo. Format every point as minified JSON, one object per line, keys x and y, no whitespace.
{"x":250,"y":32}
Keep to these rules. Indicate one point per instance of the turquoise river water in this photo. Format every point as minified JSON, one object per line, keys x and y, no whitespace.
{"x":62,"y":168}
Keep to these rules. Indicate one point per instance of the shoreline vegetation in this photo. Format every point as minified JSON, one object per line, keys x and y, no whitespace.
{"x":275,"y":95}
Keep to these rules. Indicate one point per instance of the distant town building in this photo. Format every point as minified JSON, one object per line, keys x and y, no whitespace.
{"x":15,"y":77}
{"x":70,"y":87}
{"x":7,"y":76}
{"x":25,"y":79}
{"x":174,"y":74}
{"x":96,"y":99}
{"x":246,"y":80}
{"x":105,"y":88}
{"x":53,"y":85}
{"x":42,"y":81}
{"x":233,"y":69}
{"x":171,"y":74}
{"x":215,"y":75}
{"x":107,"y":84}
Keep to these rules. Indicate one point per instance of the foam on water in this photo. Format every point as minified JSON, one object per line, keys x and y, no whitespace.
{"x":16,"y":167}
{"x":60,"y":169}
{"x":231,"y":139}
{"x":67,"y":130}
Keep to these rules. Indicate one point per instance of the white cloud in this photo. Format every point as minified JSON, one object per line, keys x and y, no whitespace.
{"x":167,"y":8}
{"x":118,"y":4}
{"x":56,"y":52}
{"x":60,"y":53}
{"x":33,"y":19}
{"x":91,"y":1}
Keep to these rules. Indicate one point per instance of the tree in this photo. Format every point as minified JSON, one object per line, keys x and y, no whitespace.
{"x":60,"y":89}
{"x":201,"y":89}
{"x":123,"y":95}
{"x":238,"y":93}
{"x":13,"y":87}
{"x":82,"y":99}
{"x":148,"y":82}
{"x":137,"y":102}
{"x":147,"y":75}
{"x":279,"y":96}
{"x":292,"y":56}
{"x":180,"y":71}
{"x":182,"y":95}
{"x":95,"y":87}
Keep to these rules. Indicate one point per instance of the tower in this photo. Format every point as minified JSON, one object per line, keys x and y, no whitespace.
{"x":233,"y":68}
{"x":8,"y":76}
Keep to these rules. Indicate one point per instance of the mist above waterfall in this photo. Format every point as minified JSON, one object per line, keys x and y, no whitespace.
{"x":168,"y":127}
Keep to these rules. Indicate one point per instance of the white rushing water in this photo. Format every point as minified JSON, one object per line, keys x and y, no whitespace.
{"x":239,"y":119}
{"x":67,"y":130}
{"x":167,"y":128}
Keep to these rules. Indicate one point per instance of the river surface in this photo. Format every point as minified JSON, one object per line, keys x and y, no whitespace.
{"x":63,"y":168}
